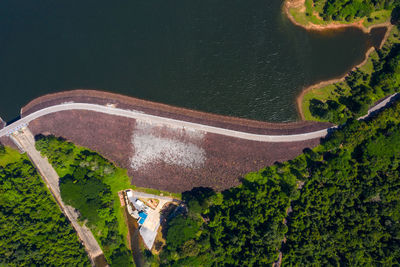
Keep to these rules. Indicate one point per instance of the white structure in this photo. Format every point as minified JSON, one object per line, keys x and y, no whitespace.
{"x":137,"y":203}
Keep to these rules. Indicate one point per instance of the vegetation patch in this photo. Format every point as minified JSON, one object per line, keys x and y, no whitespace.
{"x":348,"y":210}
{"x":33,"y":231}
{"x":337,"y":204}
{"x":90,"y":183}
{"x":324,"y":12}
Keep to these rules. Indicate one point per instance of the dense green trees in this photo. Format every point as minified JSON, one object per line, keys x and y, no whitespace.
{"x":84,"y":184}
{"x":344,"y":197}
{"x":245,"y":225}
{"x":348,"y":212}
{"x":352,"y":9}
{"x":33,"y":231}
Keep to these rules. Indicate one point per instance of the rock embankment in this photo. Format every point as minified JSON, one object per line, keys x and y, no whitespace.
{"x":163,"y":157}
{"x":158,"y":109}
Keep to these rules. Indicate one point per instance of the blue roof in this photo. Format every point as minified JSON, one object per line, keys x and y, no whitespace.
{"x":142,"y":216}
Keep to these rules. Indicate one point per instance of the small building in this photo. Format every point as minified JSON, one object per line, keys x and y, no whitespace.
{"x":139,"y":205}
{"x":140,"y":208}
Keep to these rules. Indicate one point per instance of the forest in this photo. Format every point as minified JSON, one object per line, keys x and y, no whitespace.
{"x":361,"y":89}
{"x":348,"y":10}
{"x":90,"y":183}
{"x":33,"y":231}
{"x":338,"y":204}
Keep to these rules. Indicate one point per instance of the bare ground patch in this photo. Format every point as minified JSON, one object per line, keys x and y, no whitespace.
{"x":174,"y":146}
{"x":7,"y":142}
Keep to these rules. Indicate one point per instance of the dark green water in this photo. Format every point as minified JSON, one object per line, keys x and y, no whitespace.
{"x":239,"y":57}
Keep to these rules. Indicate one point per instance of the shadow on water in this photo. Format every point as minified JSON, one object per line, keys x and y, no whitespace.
{"x":14,"y":120}
{"x":376,"y":36}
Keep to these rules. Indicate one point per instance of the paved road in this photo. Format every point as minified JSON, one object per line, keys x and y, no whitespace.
{"x":26,"y":141}
{"x":146,"y":195}
{"x":172,"y":122}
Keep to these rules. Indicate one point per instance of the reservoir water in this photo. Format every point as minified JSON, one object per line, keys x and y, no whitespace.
{"x":241,"y":58}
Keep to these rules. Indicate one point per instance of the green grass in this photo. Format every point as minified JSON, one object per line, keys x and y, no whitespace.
{"x":117,"y":182}
{"x":11,"y":155}
{"x":309,"y":16}
{"x":310,"y":10}
{"x":303,"y":19}
{"x":157,"y":192}
{"x":328,"y":92}
{"x":321,"y":93}
{"x":393,"y":37}
{"x":368,"y":67}
{"x":382,"y":15}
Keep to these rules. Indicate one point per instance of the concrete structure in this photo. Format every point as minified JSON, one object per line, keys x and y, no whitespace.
{"x":149,"y":228}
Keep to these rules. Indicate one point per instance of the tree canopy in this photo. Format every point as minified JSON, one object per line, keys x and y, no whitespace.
{"x":337,"y":204}
{"x":89,"y":183}
{"x":33,"y":231}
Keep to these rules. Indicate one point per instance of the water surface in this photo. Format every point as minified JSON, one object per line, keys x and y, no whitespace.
{"x":241,"y":58}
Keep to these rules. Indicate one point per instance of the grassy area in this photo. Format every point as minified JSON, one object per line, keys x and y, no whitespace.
{"x":309,"y":14}
{"x":378,"y":17}
{"x":321,"y":93}
{"x":157,"y":192}
{"x":330,"y":91}
{"x":358,"y":81}
{"x":117,"y":182}
{"x":307,"y":17}
{"x":11,"y":155}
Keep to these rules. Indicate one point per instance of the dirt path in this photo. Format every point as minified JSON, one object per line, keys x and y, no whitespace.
{"x":26,"y":141}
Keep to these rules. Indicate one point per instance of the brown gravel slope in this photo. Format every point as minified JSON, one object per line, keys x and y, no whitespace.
{"x":227,"y":159}
{"x":109,"y":135}
{"x":7,"y":142}
{"x":125,"y":102}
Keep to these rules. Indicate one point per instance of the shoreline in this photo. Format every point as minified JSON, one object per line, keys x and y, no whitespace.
{"x":332,"y":26}
{"x":299,"y":98}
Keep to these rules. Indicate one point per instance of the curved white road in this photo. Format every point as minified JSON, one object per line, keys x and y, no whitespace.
{"x":171,"y":122}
